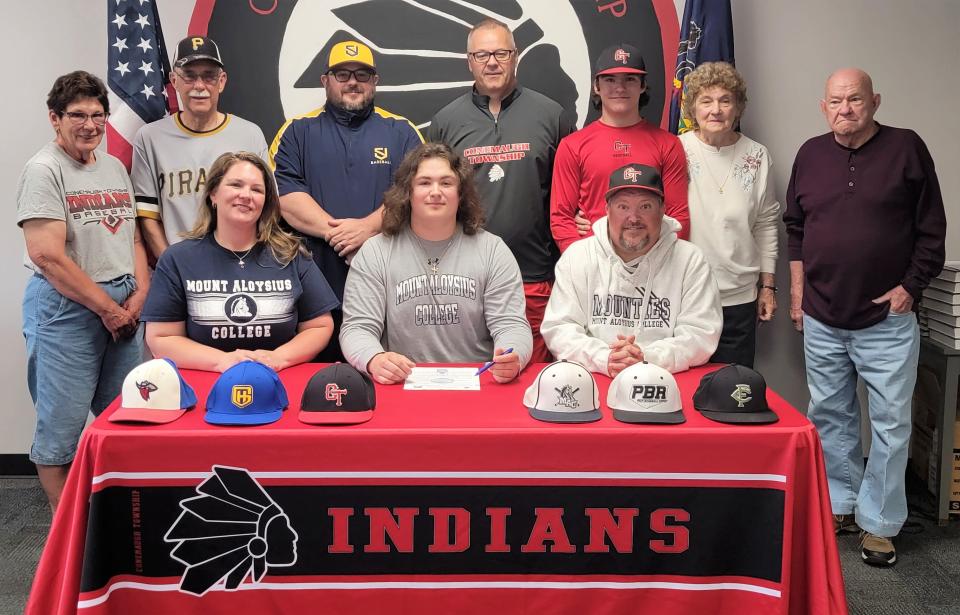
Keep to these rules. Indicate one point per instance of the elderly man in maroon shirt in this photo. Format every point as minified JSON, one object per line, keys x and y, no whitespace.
{"x":865,"y":233}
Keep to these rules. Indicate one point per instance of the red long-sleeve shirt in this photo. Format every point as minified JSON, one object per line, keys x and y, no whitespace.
{"x":585,"y":159}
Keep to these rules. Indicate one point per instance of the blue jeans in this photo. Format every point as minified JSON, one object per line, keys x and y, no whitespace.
{"x":73,"y":365}
{"x":885,"y":357}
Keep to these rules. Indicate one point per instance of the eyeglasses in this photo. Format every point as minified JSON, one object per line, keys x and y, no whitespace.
{"x":79,"y":119}
{"x":209,"y":77}
{"x":362,"y":75}
{"x":501,"y":55}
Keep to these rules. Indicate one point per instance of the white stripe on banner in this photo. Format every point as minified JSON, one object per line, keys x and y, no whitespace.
{"x":600,"y":476}
{"x":746,"y":587}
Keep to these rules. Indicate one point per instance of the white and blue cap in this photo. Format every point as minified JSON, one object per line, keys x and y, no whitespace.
{"x":645,"y":393}
{"x":249,"y":393}
{"x":564,"y":392}
{"x":154,"y":392}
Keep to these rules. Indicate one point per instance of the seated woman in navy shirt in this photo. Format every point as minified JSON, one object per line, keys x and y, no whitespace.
{"x":238,"y":287}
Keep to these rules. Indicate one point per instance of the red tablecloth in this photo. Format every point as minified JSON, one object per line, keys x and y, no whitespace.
{"x":445,"y":502}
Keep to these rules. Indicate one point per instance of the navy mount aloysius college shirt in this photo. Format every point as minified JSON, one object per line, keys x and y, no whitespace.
{"x":345,"y":160}
{"x":863,"y":221}
{"x":256,"y":307}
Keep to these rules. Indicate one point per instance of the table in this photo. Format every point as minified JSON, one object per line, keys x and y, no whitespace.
{"x":945,"y":362}
{"x":445,"y":502}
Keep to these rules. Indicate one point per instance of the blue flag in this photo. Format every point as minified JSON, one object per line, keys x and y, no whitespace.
{"x":706,"y":35}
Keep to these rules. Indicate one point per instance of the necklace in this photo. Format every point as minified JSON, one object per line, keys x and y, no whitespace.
{"x":706,"y":164}
{"x":240,"y":257}
{"x":433,"y":263}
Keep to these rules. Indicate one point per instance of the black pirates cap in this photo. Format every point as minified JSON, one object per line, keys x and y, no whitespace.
{"x":620,"y":58}
{"x":635,"y":175}
{"x":338,"y":395}
{"x":734,"y":394}
{"x":195,"y":48}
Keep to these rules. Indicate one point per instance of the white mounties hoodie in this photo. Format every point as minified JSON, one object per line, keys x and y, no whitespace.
{"x":669,"y":301}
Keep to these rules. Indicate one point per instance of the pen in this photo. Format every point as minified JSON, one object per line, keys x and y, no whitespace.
{"x":489,"y":364}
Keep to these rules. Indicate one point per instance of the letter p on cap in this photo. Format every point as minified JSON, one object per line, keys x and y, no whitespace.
{"x":196,"y":41}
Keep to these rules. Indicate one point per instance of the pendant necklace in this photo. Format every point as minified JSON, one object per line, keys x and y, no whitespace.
{"x":240,"y":257}
{"x":706,"y":164}
{"x":433,"y":263}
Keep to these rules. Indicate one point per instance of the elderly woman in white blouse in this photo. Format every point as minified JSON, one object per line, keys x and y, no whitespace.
{"x":733,"y":211}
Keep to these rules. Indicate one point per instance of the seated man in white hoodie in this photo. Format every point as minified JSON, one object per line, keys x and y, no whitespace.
{"x":633,"y":291}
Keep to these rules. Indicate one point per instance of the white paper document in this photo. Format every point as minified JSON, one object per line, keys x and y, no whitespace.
{"x":442,"y":379}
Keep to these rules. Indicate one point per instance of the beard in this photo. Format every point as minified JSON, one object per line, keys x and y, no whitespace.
{"x":352,"y":106}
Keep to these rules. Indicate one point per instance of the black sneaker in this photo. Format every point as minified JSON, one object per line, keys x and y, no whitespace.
{"x":877,"y":550}
{"x":844,"y":524}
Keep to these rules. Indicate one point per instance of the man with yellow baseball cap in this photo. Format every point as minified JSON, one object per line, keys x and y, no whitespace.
{"x":333,"y":165}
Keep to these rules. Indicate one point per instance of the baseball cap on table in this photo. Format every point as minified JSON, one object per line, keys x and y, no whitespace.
{"x":195,"y":48}
{"x":620,"y":58}
{"x":734,"y":394}
{"x":350,"y":51}
{"x":338,"y":395}
{"x":645,"y":393}
{"x":564,"y":392}
{"x":635,"y":175}
{"x":249,"y":393}
{"x":154,"y":392}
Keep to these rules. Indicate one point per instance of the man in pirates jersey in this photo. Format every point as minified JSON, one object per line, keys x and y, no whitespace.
{"x":333,"y":165}
{"x":171,"y":155}
{"x":510,"y":136}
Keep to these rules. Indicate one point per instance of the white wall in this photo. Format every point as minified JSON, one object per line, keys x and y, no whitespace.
{"x":784,"y":48}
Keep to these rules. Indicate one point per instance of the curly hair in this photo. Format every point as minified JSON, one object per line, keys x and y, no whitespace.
{"x":282,"y":244}
{"x":709,"y":75}
{"x":396,"y":200}
{"x":72,"y":86}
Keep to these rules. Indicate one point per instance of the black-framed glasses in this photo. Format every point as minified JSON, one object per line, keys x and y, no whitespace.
{"x":501,"y":55}
{"x":362,"y":75}
{"x":208,"y":76}
{"x":79,"y":119}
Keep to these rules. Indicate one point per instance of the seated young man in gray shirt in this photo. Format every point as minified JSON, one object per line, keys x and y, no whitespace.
{"x":434,"y":287}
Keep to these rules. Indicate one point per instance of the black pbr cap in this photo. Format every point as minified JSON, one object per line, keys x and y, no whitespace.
{"x":195,"y":48}
{"x":338,"y":395}
{"x":734,"y":394}
{"x":620,"y":58}
{"x":635,"y":175}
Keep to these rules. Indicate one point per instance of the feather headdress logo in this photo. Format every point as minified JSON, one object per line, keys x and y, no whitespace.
{"x":231,"y":530}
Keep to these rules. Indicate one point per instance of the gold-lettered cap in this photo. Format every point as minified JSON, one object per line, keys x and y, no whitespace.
{"x":350,"y":51}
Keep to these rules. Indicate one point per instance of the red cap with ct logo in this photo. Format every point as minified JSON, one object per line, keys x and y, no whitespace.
{"x":338,"y":395}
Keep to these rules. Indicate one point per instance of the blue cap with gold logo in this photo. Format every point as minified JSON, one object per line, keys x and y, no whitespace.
{"x":249,"y":393}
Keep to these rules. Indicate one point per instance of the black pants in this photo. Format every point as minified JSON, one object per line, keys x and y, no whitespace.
{"x":738,"y":341}
{"x":332,"y":353}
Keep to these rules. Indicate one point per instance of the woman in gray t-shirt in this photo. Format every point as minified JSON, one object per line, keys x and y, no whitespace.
{"x":81,"y":308}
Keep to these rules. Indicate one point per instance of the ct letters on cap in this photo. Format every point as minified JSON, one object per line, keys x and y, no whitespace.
{"x":621,"y":56}
{"x":630,"y":174}
{"x":335,"y":393}
{"x":742,"y":394}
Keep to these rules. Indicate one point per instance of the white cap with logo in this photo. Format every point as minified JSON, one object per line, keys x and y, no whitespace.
{"x":564,"y":392}
{"x":645,"y":393}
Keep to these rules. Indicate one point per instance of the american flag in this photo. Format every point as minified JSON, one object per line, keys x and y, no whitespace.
{"x":137,"y":73}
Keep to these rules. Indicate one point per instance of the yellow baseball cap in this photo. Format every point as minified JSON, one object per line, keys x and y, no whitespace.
{"x":350,"y":51}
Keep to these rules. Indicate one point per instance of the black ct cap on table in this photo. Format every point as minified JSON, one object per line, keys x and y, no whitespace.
{"x":734,"y":394}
